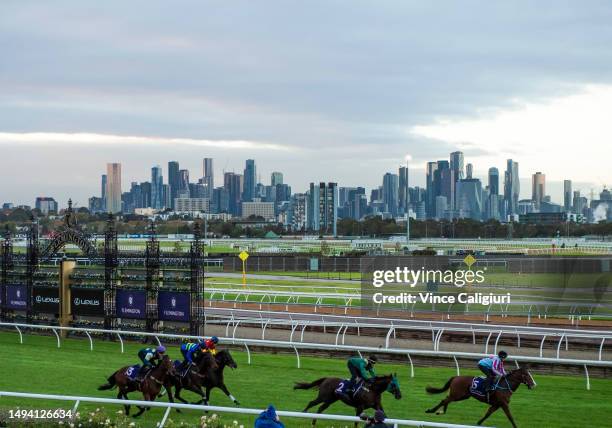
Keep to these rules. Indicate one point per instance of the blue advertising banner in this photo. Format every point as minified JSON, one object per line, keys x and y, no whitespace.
{"x":16,"y":297}
{"x":132,"y":304}
{"x":173,"y":306}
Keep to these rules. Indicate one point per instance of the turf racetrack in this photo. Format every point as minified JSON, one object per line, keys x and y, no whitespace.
{"x":38,"y":366}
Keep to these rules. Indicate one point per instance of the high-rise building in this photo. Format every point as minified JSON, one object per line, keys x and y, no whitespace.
{"x":250,"y":181}
{"x":297,"y":212}
{"x":456,"y":164}
{"x":444,"y":183}
{"x":390,"y":193}
{"x":469,"y":171}
{"x":174,"y":181}
{"x":208,"y":177}
{"x":469,"y":198}
{"x":322,"y":208}
{"x":276,"y":178}
{"x":441,"y":207}
{"x":404,"y":195}
{"x":103,"y":192}
{"x":538,"y":188}
{"x":233,"y":184}
{"x":512,"y":187}
{"x":113,"y":188}
{"x":183,"y":188}
{"x":493,"y":181}
{"x":567,"y":195}
{"x":46,"y":205}
{"x":430,"y":203}
{"x":157,"y":188}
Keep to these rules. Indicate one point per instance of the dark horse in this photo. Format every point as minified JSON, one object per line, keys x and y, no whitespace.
{"x":150,"y":386}
{"x":193,"y":379}
{"x":368,"y":398}
{"x":460,"y":390}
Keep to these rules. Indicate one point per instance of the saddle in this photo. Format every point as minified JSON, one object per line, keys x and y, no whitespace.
{"x":478,"y":388}
{"x":346,"y":387}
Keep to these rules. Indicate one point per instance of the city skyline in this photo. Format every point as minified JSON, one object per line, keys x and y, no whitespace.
{"x":108,"y":84}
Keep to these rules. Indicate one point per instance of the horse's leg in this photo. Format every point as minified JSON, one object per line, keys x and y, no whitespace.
{"x":444,"y":403}
{"x":322,"y":408}
{"x":223,"y":388}
{"x":141,"y":409}
{"x":506,"y":410}
{"x":312,"y":403}
{"x":358,"y":412}
{"x":122,"y":396}
{"x":492,"y":409}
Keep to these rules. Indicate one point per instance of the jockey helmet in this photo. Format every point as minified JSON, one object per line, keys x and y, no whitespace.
{"x":372,"y":359}
{"x":379,"y":416}
{"x":160,"y":349}
{"x":214,"y":339}
{"x":503,"y":355}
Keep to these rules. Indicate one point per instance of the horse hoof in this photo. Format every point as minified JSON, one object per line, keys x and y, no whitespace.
{"x":439,"y":413}
{"x":236,"y":402}
{"x":429,"y":411}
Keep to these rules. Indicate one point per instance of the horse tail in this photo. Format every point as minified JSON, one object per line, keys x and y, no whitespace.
{"x":432,"y":390}
{"x":111,"y":383}
{"x":305,"y":385}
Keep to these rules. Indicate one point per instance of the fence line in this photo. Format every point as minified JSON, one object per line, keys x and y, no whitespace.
{"x":169,"y":406}
{"x":296,"y":346}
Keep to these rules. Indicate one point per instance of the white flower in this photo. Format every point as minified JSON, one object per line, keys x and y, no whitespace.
{"x":235,"y":422}
{"x":133,"y":424}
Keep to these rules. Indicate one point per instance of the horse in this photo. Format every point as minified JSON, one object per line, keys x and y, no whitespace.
{"x":460,"y":390}
{"x":216,"y":380}
{"x":205,"y":364}
{"x":368,"y":398}
{"x":150,"y":386}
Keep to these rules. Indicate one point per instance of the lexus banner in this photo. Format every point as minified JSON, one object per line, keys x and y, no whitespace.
{"x":46,"y":299}
{"x":173,"y":306}
{"x":16,"y":297}
{"x":132,"y":304}
{"x":87,"y":301}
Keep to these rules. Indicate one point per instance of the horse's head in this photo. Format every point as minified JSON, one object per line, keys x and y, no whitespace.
{"x":522,"y":375}
{"x":224,"y":358}
{"x":167,"y":364}
{"x":393,"y":387}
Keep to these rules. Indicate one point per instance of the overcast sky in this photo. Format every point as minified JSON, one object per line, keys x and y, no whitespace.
{"x":319,"y":90}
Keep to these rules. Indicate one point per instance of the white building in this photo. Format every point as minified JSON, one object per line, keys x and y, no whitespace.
{"x":192,"y":205}
{"x":258,"y":209}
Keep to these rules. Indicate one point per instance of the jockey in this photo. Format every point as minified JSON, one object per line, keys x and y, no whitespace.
{"x":190,"y":350}
{"x":361,"y":369}
{"x":493,"y":367}
{"x":149,"y":358}
{"x":378,"y":421}
{"x":210,"y":345}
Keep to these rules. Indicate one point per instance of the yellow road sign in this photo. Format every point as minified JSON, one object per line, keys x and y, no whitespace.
{"x":243,"y":256}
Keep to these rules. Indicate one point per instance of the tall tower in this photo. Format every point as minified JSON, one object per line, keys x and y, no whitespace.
{"x":512,"y":187}
{"x":430,"y":205}
{"x":567,"y":195}
{"x":250,"y":180}
{"x":493,"y":181}
{"x":208,"y":176}
{"x":404,"y":195}
{"x":157,"y":188}
{"x":174,"y":180}
{"x":538,"y":188}
{"x":113,"y":188}
{"x":276,"y":178}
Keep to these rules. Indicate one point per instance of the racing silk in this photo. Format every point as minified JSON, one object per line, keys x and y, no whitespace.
{"x":189,"y":350}
{"x":210,"y":346}
{"x":147,"y":356}
{"x":494,"y":363}
{"x":361,"y":365}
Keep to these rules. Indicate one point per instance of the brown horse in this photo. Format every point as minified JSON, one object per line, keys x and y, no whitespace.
{"x":500,"y":397}
{"x":369,"y":398}
{"x":204,"y":366}
{"x":150,"y":386}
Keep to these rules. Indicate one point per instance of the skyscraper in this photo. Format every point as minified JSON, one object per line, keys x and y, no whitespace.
{"x":103,"y":192}
{"x":322,"y":209}
{"x":567,"y":195}
{"x":157,"y":188}
{"x":456,"y":164}
{"x":390,"y":193}
{"x":444,"y":185}
{"x":493,"y":181}
{"x":208,"y":177}
{"x":250,"y":180}
{"x":430,"y":202}
{"x":512,"y":187}
{"x":233,"y":184}
{"x":404,"y":195}
{"x":183,"y":188}
{"x":469,"y":171}
{"x":538,"y":188}
{"x":113,"y":187}
{"x":469,"y":198}
{"x":276,"y":178}
{"x":174,"y":180}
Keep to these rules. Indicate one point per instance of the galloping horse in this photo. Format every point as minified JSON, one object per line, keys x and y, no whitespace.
{"x":193,"y":380}
{"x":216,"y":380}
{"x":500,"y":397}
{"x":150,"y":386}
{"x":368,"y":398}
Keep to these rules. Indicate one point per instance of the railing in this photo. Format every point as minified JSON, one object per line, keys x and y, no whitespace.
{"x":296,"y":346}
{"x":170,"y":406}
